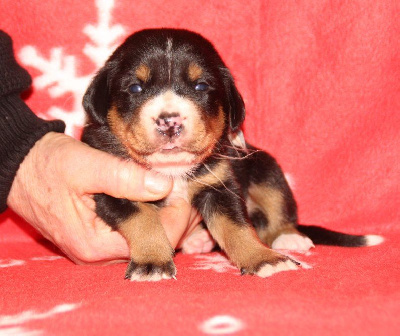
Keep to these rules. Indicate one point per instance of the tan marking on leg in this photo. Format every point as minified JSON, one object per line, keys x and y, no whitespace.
{"x":270,"y":202}
{"x":147,"y":240}
{"x":194,"y":71}
{"x":143,"y":72}
{"x":242,"y":245}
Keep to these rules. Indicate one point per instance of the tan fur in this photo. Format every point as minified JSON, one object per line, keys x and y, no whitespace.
{"x":132,"y":137}
{"x":220,"y":172}
{"x":194,"y":71}
{"x":147,"y":240}
{"x":143,"y":72}
{"x":207,"y":133}
{"x":270,"y":201}
{"x":242,"y":244}
{"x":216,"y":125}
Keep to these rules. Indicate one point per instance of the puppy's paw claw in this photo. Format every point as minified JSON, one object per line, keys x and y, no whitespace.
{"x":150,"y":272}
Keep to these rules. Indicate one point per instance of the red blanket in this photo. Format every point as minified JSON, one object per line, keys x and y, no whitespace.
{"x":321,"y":82}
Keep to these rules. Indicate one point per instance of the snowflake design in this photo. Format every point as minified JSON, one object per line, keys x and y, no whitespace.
{"x":12,"y":324}
{"x":220,"y":264}
{"x":47,"y":258}
{"x":215,"y":262}
{"x":11,"y":263}
{"x":221,"y":325}
{"x":303,"y":264}
{"x":59,"y":72}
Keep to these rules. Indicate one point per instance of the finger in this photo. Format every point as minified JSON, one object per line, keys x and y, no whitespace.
{"x":174,"y":219}
{"x":111,"y":246}
{"x":89,"y":240}
{"x":107,"y":174}
{"x":193,"y":226}
{"x":102,"y":246}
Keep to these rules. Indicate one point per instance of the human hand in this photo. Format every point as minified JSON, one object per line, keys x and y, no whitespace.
{"x":52,"y":191}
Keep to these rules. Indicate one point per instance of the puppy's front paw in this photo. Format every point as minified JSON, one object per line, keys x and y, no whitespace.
{"x":267,"y":270}
{"x":273,"y":264}
{"x":150,"y":271}
{"x":293,"y":242}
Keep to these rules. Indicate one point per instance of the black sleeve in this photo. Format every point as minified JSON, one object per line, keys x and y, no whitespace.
{"x":20,"y":128}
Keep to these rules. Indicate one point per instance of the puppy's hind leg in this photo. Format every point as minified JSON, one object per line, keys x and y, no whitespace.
{"x":271,"y":205}
{"x":227,"y":222}
{"x":273,"y":224}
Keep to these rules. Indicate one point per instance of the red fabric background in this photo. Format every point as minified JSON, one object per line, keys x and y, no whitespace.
{"x":321,"y":82}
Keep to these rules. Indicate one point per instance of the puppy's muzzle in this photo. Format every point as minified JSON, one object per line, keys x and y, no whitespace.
{"x":169,"y":124}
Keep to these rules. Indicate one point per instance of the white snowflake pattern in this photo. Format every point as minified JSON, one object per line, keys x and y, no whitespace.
{"x":59,"y":72}
{"x":4,"y":263}
{"x":220,"y":264}
{"x":216,"y":262}
{"x":221,"y":325}
{"x":47,"y":258}
{"x":303,"y":264}
{"x":11,"y":324}
{"x":11,"y":263}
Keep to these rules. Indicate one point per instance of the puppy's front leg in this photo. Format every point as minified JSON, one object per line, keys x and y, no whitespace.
{"x":139,"y":223}
{"x":226,"y":220}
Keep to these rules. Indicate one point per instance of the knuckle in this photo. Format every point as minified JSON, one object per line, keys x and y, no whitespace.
{"x":85,"y":256}
{"x":125,"y":179}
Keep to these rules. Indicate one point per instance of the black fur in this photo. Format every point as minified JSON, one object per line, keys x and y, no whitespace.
{"x":150,"y":269}
{"x":114,"y":210}
{"x":226,"y":196}
{"x":260,"y":168}
{"x":222,"y":199}
{"x":148,"y":46}
{"x":324,"y":236}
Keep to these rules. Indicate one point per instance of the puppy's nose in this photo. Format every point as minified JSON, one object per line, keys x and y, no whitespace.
{"x":169,"y":124}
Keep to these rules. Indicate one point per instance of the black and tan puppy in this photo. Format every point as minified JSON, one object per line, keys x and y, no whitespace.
{"x":166,"y":100}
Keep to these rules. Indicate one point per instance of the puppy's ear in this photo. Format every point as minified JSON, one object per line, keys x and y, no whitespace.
{"x":96,"y":99}
{"x":235,"y":104}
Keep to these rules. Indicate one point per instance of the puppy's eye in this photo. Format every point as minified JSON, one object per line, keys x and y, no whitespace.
{"x":201,"y":87}
{"x":135,"y":88}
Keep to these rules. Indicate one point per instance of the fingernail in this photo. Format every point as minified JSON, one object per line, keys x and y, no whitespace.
{"x":157,"y":184}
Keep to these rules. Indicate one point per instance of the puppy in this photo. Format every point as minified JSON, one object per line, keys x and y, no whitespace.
{"x":166,"y":100}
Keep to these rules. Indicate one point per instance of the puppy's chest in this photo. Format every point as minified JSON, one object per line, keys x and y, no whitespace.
{"x":180,"y":190}
{"x":209,"y":180}
{"x":187,"y":189}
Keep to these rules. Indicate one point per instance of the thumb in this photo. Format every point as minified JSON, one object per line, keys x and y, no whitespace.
{"x":104,"y":173}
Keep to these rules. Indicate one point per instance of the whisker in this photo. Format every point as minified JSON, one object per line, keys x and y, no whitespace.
{"x":194,"y":179}
{"x":222,"y":156}
{"x":239,"y":148}
{"x":212,"y":173}
{"x":236,"y":148}
{"x":239,"y":152}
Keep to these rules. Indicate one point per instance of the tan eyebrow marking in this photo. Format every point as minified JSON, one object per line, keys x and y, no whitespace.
{"x":194,"y":71}
{"x":143,"y":72}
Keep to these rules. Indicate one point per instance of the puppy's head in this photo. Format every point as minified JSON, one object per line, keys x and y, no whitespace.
{"x":167,"y":97}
